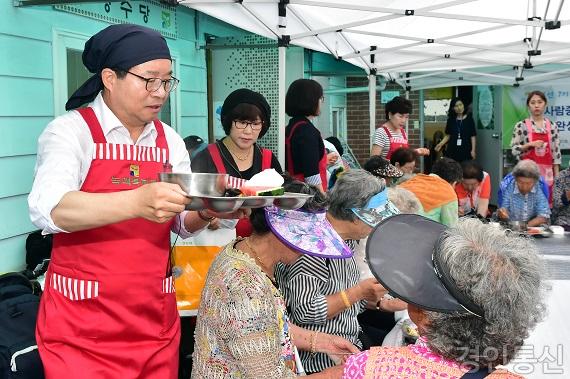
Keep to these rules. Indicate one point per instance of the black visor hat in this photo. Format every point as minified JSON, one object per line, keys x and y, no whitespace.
{"x":403,"y":254}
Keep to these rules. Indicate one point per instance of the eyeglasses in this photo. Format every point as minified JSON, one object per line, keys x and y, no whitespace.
{"x":153,"y":84}
{"x":240,"y":124}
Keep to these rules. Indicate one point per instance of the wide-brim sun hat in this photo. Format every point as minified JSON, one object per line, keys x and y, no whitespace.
{"x":403,"y":254}
{"x":376,"y":209}
{"x":308,"y":233}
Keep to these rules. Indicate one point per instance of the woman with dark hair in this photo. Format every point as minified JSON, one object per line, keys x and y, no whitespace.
{"x":460,"y":133}
{"x":391,"y":136}
{"x":404,"y":158}
{"x":243,"y":329}
{"x":246,"y":117}
{"x":536,"y":138}
{"x":474,"y":190}
{"x":305,"y":154}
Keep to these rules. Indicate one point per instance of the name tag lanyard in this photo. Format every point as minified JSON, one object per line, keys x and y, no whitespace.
{"x":459,"y":124}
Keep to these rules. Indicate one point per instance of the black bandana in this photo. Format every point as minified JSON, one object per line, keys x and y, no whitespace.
{"x":117,"y":46}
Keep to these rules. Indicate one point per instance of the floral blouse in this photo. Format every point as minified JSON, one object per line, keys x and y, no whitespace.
{"x":409,"y":362}
{"x":520,"y":137}
{"x":242,"y":330}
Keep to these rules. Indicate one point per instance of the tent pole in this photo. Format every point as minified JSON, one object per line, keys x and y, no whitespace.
{"x":372,"y":104}
{"x":283,"y":43}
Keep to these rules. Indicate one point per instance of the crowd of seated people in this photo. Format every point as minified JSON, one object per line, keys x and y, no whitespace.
{"x":276,"y":305}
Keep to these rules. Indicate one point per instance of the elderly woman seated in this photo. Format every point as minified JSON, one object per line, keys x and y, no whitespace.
{"x":243,"y":330}
{"x":474,"y":190}
{"x":523,"y":199}
{"x":561,"y":199}
{"x":435,"y":191}
{"x":326,"y":295}
{"x":382,"y":168}
{"x":473,"y":290}
{"x":377,"y":323}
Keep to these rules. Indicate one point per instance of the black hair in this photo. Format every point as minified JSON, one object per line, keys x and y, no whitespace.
{"x":337,"y":144}
{"x":472,"y":170}
{"x":447,"y":169}
{"x":376,"y":162}
{"x":242,"y":112}
{"x":303,"y":98}
{"x":120,"y":72}
{"x":451,"y":111}
{"x":317,"y":203}
{"x":193,"y":142}
{"x":403,"y":155}
{"x":398,"y":104}
{"x":536,"y":93}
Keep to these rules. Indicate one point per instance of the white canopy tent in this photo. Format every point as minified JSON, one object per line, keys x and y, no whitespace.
{"x":416,"y":43}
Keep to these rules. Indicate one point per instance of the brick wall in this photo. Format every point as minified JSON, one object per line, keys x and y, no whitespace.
{"x":358,"y":129}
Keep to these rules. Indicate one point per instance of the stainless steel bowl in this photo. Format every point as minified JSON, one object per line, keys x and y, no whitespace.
{"x":197,"y":184}
{"x":223,"y":204}
{"x":517,"y":226}
{"x":257,"y":201}
{"x":291,"y":200}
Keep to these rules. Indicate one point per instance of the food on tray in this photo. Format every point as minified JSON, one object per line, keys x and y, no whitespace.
{"x":265,"y":183}
{"x":232,"y":192}
{"x":262,"y":191}
{"x":534,"y":230}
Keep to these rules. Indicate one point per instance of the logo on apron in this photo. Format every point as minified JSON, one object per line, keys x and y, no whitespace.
{"x":134,"y":170}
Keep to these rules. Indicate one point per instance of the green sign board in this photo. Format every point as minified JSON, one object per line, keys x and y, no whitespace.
{"x":151,"y":13}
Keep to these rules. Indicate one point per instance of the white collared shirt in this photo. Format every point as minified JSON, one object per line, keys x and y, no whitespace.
{"x":65,"y":149}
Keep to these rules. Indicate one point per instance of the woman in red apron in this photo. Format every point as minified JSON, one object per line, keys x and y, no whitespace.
{"x":391,"y":136}
{"x":537,"y":138}
{"x":305,"y":154}
{"x":246,"y":117}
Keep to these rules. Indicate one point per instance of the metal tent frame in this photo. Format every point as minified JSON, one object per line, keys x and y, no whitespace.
{"x":418,"y":44}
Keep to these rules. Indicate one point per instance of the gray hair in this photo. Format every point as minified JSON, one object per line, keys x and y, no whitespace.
{"x":353,"y":189}
{"x":404,"y":200}
{"x":526,"y":169}
{"x":503,"y":275}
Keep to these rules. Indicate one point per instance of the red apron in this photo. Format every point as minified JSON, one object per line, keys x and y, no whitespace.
{"x":543,"y":155}
{"x":243,"y":227}
{"x":395,"y":141}
{"x":291,"y":168}
{"x":109,"y":309}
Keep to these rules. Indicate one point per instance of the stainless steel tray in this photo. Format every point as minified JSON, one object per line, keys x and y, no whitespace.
{"x":230,"y":204}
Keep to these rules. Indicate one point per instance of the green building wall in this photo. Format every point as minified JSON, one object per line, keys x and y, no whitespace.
{"x":27,"y":100}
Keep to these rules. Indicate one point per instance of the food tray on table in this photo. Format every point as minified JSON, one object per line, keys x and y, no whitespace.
{"x":226,"y":204}
{"x":538,"y":232}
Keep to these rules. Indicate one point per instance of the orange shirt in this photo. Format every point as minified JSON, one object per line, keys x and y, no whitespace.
{"x":468,"y":201}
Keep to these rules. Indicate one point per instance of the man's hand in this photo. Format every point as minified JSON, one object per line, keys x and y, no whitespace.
{"x":503,"y":214}
{"x":159,"y":201}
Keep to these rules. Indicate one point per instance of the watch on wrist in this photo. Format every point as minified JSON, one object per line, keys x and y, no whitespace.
{"x":205,"y":218}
